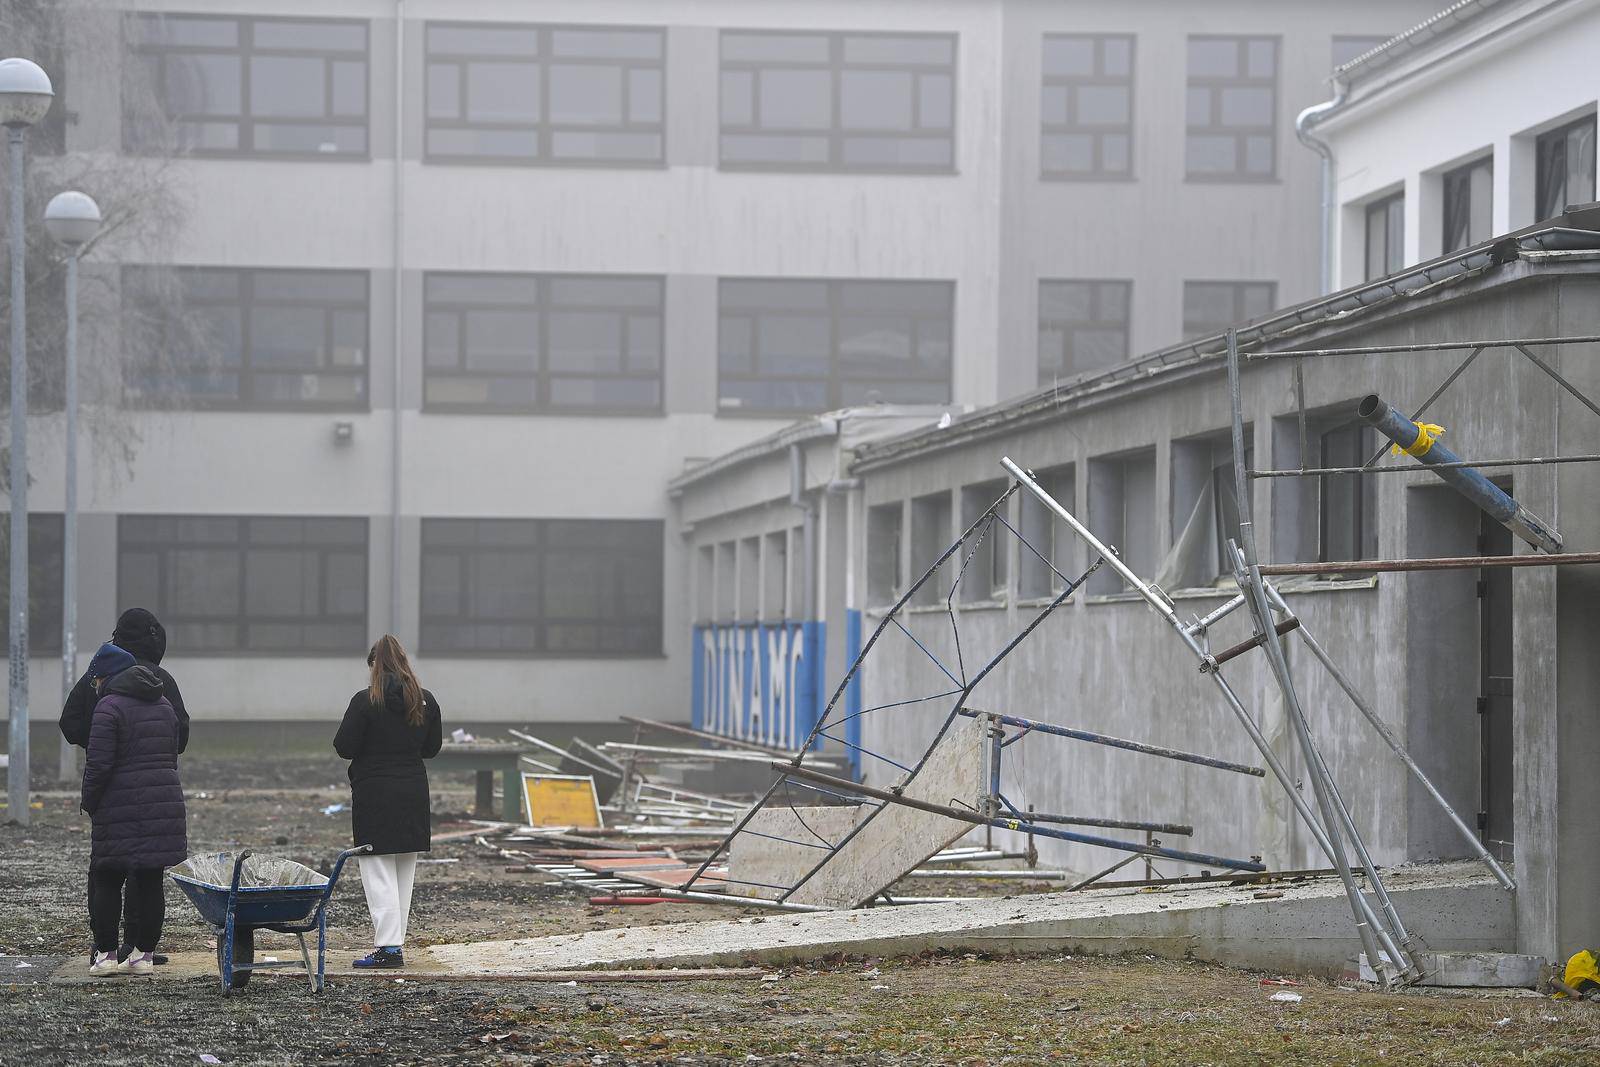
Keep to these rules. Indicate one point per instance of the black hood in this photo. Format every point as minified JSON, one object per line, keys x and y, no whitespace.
{"x":142,"y":634}
{"x":140,"y":683}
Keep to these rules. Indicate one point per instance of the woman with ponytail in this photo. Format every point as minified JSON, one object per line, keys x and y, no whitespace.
{"x":389,"y":728}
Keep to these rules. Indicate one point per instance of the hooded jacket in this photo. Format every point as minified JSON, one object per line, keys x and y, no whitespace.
{"x":141,"y":633}
{"x":130,"y":779}
{"x":389,"y":803}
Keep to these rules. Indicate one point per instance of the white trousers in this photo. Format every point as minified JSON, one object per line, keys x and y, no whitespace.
{"x":387,"y":881}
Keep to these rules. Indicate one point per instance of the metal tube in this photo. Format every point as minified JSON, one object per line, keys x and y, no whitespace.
{"x":1478,"y":464}
{"x":1118,"y":742}
{"x":68,"y":765}
{"x":1235,"y":651}
{"x":1176,"y":829}
{"x":1206,"y":622}
{"x":1437,"y":563}
{"x":808,"y":530}
{"x":1474,"y":486}
{"x":17,"y":766}
{"x":1425,"y":405}
{"x":397,"y":361}
{"x":1431,"y":346}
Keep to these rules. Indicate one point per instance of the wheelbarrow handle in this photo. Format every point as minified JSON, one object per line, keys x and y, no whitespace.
{"x":338,"y":864}
{"x":238,"y":869}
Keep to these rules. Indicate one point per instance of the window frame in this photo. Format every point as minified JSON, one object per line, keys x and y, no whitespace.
{"x":46,"y":597}
{"x":1394,"y":245}
{"x":1239,"y":290}
{"x":1562,"y":135}
{"x":1072,"y":83}
{"x":1099,"y":288}
{"x":1454,"y":181}
{"x":836,"y":133}
{"x":541,"y":375}
{"x":1214,"y":85}
{"x":244,"y":48}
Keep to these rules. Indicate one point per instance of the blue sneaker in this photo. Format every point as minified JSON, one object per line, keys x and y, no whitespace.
{"x":382,"y":959}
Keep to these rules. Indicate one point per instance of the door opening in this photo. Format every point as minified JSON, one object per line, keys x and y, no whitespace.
{"x":1495,"y":813}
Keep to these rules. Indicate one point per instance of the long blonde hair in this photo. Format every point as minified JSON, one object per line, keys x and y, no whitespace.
{"x":388,"y":656}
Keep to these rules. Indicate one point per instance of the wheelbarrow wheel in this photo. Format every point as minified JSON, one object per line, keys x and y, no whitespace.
{"x":244,"y":952}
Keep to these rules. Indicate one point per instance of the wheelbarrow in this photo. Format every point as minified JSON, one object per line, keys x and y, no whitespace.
{"x":269,"y":894}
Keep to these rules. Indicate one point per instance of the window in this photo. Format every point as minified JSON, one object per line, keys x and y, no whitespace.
{"x":224,"y":584}
{"x":545,"y":94}
{"x":807,"y":346}
{"x":1204,"y":511}
{"x":1122,"y":511}
{"x":1468,"y":204}
{"x":45,"y":535}
{"x":1049,"y":535}
{"x":749,"y":549}
{"x":1347,"y":503}
{"x":542,"y":343}
{"x":1565,"y":168}
{"x":1232,"y":108}
{"x":1210,"y":308}
{"x":253,"y":86}
{"x":265,"y":339}
{"x":727,"y":588}
{"x":1087,"y":106}
{"x":1348,"y":48}
{"x":985,"y":576}
{"x":930,"y":536}
{"x":544,"y":587}
{"x":884,"y":526}
{"x":1386,"y":236}
{"x":774,"y":576}
{"x":1083,"y":326}
{"x":838,"y":101}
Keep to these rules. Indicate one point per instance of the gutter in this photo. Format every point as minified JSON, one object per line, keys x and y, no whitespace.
{"x":1302,"y":129}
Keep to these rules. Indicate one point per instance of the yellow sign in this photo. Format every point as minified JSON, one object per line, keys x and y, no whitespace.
{"x":561,"y":800}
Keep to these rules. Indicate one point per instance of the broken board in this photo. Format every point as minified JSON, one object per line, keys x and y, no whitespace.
{"x":561,"y":800}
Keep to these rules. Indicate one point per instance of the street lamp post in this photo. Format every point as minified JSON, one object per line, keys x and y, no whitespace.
{"x":73,"y":219}
{"x":25,"y":96}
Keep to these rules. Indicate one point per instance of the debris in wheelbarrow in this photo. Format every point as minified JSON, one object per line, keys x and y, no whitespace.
{"x":240,"y":894}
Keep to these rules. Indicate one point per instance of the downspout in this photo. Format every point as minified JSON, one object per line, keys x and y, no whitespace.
{"x":1302,"y":129}
{"x":808,"y":531}
{"x":396,"y":346}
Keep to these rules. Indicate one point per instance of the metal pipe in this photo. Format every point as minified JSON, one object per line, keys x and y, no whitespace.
{"x":1118,"y":742}
{"x":1027,"y":874}
{"x":17,"y":765}
{"x":397,"y":360}
{"x":68,"y":763}
{"x":1176,"y":829}
{"x":1234,"y":651}
{"x":705,"y":735}
{"x":1205,"y":623}
{"x":808,"y":530}
{"x":1479,"y":464}
{"x":1302,"y":130}
{"x":1494,"y":501}
{"x":1437,"y":563}
{"x":1426,"y":346}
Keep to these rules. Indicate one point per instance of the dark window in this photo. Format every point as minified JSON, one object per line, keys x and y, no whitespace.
{"x":1054,"y":547}
{"x":808,"y":346}
{"x":1468,"y":204}
{"x":1087,"y":106}
{"x":542,"y":343}
{"x":1122,"y":510}
{"x":545,"y":94}
{"x":838,"y":101}
{"x":225,"y":584}
{"x":1348,"y":506}
{"x":931,"y":534}
{"x":1348,"y":48}
{"x":1225,"y":506}
{"x":1386,"y":236}
{"x":258,"y":339}
{"x":985,"y":557}
{"x":44,"y":581}
{"x":252,"y":86}
{"x":1232,"y":108}
{"x":1209,"y":308}
{"x":1083,"y":326}
{"x":542,"y":587}
{"x":1565,"y":173}
{"x":885,"y":577}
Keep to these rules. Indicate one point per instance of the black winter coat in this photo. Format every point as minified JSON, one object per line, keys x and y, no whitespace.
{"x":142,"y":635}
{"x":388,"y":784}
{"x":130,"y":779}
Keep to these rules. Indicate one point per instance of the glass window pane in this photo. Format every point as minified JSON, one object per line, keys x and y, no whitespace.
{"x":483,"y":40}
{"x":601,"y":44}
{"x":320,"y":35}
{"x":203,"y":85}
{"x":496,"y":144}
{"x":1103,"y":105}
{"x":444,"y":91}
{"x":1213,"y":57}
{"x":644,"y":96}
{"x":787,"y":47}
{"x":1069,"y":55}
{"x":799,"y":99}
{"x":875,"y":100}
{"x":915,"y":50}
{"x":502,"y":92}
{"x":1247,"y":106}
{"x":349,"y":88}
{"x":587,"y":95}
{"x":288,"y":86}
{"x":186,"y":30}
{"x":738,"y":97}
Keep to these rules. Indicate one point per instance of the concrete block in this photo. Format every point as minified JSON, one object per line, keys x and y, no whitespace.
{"x":1481,"y":970}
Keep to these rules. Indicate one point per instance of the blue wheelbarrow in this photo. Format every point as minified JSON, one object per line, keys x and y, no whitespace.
{"x":270,"y":893}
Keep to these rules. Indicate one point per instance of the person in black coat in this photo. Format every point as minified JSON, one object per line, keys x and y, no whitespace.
{"x":389,"y":728}
{"x":140,"y":633}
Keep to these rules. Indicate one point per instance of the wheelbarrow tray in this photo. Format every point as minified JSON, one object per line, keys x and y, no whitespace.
{"x":255,"y":906}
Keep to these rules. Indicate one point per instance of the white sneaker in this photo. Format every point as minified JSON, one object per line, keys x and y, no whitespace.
{"x":138,"y":963}
{"x":105,"y":965}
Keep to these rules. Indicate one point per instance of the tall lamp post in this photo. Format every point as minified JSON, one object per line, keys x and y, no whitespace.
{"x":73,"y":219}
{"x":25,"y":96}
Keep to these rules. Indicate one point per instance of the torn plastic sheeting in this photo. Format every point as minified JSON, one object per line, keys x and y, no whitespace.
{"x":259,"y":871}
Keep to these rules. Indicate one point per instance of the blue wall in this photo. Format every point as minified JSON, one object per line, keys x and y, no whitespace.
{"x":760,"y":681}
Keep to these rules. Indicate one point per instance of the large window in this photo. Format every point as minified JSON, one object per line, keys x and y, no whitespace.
{"x":224,"y":584}
{"x":807,"y":346}
{"x":1386,"y":236}
{"x":1122,"y":510}
{"x":1087,"y":106}
{"x":1565,"y":171}
{"x":266,"y":339}
{"x":545,"y":94}
{"x":542,"y":343}
{"x":253,"y":86}
{"x":45,"y":532}
{"x":1209,"y":308}
{"x":1054,"y":553}
{"x":1232,"y":108}
{"x":1347,"y":504}
{"x":542,"y":587}
{"x":1083,"y":326}
{"x":1468,"y":204}
{"x":838,"y":101}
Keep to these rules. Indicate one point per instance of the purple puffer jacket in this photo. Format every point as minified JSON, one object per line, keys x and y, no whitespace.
{"x":130,"y":780}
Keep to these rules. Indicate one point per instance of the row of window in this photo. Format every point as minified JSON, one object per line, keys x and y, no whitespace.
{"x":563,"y":343}
{"x":1564,"y":173}
{"x":297,"y":585}
{"x":595,"y":95}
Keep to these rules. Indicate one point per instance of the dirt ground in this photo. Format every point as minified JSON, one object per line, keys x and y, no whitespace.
{"x":963,"y":1009}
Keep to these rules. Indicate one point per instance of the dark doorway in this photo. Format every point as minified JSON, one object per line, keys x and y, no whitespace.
{"x":1495,"y":815}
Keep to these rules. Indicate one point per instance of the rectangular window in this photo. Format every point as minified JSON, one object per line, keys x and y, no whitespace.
{"x":774,"y":575}
{"x":799,"y":347}
{"x":590,"y":95}
{"x":1210,"y":308}
{"x":45,"y":533}
{"x":1347,"y":503}
{"x":545,"y":587}
{"x":1565,"y":168}
{"x":931,"y":534}
{"x":542,"y":343}
{"x":838,"y":101}
{"x":1468,"y":204}
{"x":1386,"y":236}
{"x":1204,"y":511}
{"x":1232,"y":109}
{"x":226,"y":584}
{"x":983,"y":561}
{"x":884,"y":578}
{"x":1348,"y":48}
{"x":1122,"y":511}
{"x":1087,"y":106}
{"x":251,"y":86}
{"x":749,"y":549}
{"x":1083,"y":327}
{"x":1054,"y":551}
{"x":251,"y":339}
{"x":726,"y":581}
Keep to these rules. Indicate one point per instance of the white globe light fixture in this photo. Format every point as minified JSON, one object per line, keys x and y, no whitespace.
{"x":25,"y":92}
{"x":72,"y":218}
